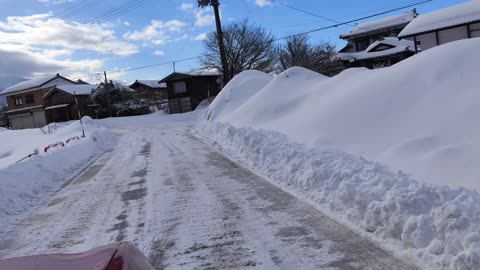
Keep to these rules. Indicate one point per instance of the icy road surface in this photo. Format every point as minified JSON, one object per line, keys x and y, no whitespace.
{"x":188,"y":207}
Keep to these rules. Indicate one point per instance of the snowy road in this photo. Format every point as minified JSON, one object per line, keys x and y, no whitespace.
{"x":187,"y":206}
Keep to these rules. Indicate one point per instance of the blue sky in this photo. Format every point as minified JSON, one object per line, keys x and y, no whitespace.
{"x":47,"y":36}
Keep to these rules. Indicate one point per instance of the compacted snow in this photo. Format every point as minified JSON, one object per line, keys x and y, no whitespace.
{"x":391,"y":152}
{"x":25,"y":185}
{"x":186,"y":206}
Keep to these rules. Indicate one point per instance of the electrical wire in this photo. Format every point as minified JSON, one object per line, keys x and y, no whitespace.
{"x":286,"y":37}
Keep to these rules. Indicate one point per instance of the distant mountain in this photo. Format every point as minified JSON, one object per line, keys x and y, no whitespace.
{"x":6,"y":82}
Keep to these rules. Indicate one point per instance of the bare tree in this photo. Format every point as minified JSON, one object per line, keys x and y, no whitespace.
{"x":3,"y":116}
{"x":247,"y":46}
{"x":296,"y":52}
{"x":323,"y":54}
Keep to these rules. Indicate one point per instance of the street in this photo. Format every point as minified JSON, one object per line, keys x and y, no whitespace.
{"x":186,"y":206}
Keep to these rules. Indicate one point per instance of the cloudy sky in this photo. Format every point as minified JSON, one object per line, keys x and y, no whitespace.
{"x":80,"y":38}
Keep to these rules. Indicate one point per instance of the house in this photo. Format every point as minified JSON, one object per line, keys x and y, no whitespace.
{"x":382,"y":53}
{"x":187,"y":89}
{"x":27,"y":101}
{"x":25,"y":104}
{"x":374,"y":44}
{"x":445,"y":25}
{"x":151,"y":91}
{"x":61,"y":102}
{"x":364,"y":34}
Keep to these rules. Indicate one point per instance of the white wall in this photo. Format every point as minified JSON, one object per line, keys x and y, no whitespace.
{"x":427,"y":41}
{"x":475,"y":30}
{"x":453,"y":34}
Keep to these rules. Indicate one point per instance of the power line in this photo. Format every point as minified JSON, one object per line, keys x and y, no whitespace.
{"x":338,"y":22}
{"x":124,"y":8}
{"x":355,"y":20}
{"x":128,"y":6}
{"x":82,"y":6}
{"x":298,"y":34}
{"x":304,"y":11}
{"x":156,"y":65}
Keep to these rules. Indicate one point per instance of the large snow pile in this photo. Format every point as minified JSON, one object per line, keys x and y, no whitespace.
{"x":237,"y":92}
{"x":328,"y":139}
{"x":25,"y":185}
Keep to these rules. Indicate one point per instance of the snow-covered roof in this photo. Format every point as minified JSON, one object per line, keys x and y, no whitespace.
{"x":398,"y":47}
{"x":33,"y":83}
{"x":202,"y":72}
{"x":25,"y":109}
{"x":78,"y":89}
{"x":194,"y":73}
{"x":56,"y":107}
{"x":152,"y":83}
{"x":443,"y":18}
{"x":395,"y":20}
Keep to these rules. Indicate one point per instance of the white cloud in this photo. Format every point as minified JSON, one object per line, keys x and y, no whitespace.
{"x":159,"y":32}
{"x":43,"y":30}
{"x":41,"y":44}
{"x":204,"y":17}
{"x":159,"y":53}
{"x":155,"y":30}
{"x":126,"y":23}
{"x":56,"y":53}
{"x":28,"y":64}
{"x":202,"y":36}
{"x":263,"y":3}
{"x":186,"y":6}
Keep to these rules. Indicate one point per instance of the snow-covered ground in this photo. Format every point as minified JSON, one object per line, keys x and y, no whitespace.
{"x":391,"y":152}
{"x":26,"y":185}
{"x":186,"y":206}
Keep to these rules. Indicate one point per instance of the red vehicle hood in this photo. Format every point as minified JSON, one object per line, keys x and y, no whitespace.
{"x":118,"y":256}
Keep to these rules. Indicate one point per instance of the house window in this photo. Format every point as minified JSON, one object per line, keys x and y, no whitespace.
{"x":363,"y":44}
{"x":18,"y":101}
{"x":30,"y":98}
{"x":381,"y":47}
{"x":179,"y":87}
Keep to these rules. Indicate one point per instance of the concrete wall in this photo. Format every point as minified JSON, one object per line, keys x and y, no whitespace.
{"x":427,"y":41}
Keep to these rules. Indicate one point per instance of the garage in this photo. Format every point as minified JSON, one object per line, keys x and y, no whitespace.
{"x":34,"y":119}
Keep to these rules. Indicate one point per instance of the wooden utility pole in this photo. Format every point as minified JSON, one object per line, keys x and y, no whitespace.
{"x":79,"y":114}
{"x":215,"y":4}
{"x":107,"y":88}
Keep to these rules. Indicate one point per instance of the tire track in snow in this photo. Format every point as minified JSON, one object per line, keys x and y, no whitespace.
{"x":187,"y":206}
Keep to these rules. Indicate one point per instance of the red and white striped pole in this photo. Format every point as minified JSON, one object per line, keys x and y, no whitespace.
{"x":79,"y":115}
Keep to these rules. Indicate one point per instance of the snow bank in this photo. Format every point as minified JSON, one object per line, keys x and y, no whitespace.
{"x":25,"y":185}
{"x":236,"y":92}
{"x":310,"y":133}
{"x":439,"y":224}
{"x":417,"y":116}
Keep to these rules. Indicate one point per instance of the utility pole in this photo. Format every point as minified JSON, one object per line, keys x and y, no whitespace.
{"x":215,"y":4}
{"x":107,"y":87}
{"x":79,"y":114}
